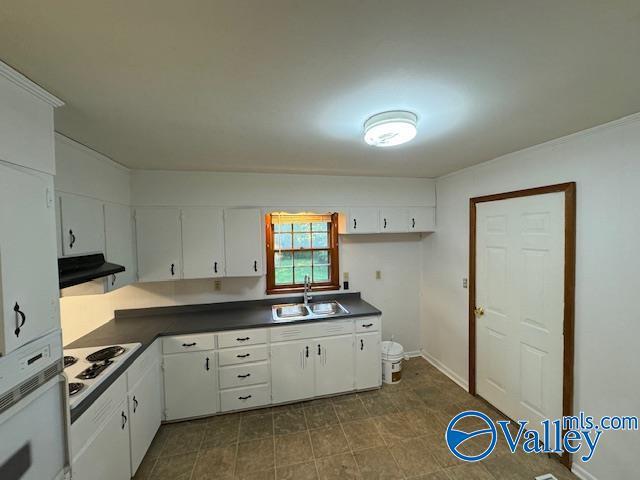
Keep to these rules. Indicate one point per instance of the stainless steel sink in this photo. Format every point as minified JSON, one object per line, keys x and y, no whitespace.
{"x":300,"y":311}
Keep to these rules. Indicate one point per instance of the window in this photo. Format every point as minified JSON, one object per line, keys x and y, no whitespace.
{"x":300,"y":245}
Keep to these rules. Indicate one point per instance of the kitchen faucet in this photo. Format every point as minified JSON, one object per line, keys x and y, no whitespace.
{"x":307,"y":288}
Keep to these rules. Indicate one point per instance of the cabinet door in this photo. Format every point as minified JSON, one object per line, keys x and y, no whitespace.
{"x":158,"y":244}
{"x":363,"y":220}
{"x":145,"y":409}
{"x":368,"y":360}
{"x":243,"y":242}
{"x":422,"y":219}
{"x":393,"y":220}
{"x":82,"y":225}
{"x":202,"y":242}
{"x":190,"y":385}
{"x":334,"y":364}
{"x":29,"y":295}
{"x":118,"y":226}
{"x":107,"y":456}
{"x":292,"y":376}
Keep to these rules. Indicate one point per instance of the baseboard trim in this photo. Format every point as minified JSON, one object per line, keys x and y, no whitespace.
{"x":413,"y":354}
{"x":581,"y":473}
{"x":446,"y":370}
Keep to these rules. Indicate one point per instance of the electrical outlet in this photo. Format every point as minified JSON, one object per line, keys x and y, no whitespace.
{"x":465,"y":283}
{"x":378,"y":274}
{"x":217,"y":285}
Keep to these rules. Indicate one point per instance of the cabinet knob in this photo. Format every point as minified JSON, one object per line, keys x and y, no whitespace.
{"x":243,"y":339}
{"x":355,"y":223}
{"x":206,"y":364}
{"x":215,"y":267}
{"x":193,"y":344}
{"x":173,"y":269}
{"x":72,"y":239}
{"x":367,"y":325}
{"x":135,"y":404}
{"x":413,"y":223}
{"x":385,"y":223}
{"x":244,"y":398}
{"x":306,"y":352}
{"x":246,"y":375}
{"x":319,"y":350}
{"x":243,"y":355}
{"x":255,"y":265}
{"x":113,"y":279}
{"x":124,"y":420}
{"x":20,"y":319}
{"x":361,"y":344}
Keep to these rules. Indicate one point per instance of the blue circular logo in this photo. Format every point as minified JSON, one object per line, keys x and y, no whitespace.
{"x":456,"y":438}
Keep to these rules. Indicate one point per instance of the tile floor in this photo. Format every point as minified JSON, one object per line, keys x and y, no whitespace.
{"x":394,"y":433}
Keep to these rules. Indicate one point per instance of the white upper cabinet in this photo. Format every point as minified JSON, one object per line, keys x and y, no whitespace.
{"x":82,"y":221}
{"x":243,"y":242}
{"x":29,"y":274}
{"x":118,"y":226}
{"x":158,"y":244}
{"x":393,"y":220}
{"x":363,"y":220}
{"x":421,"y":219}
{"x":203,"y":242}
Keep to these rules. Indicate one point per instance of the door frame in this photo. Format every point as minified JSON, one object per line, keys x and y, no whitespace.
{"x":569,"y":190}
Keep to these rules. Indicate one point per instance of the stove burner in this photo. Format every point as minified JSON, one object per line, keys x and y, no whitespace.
{"x":75,"y":387}
{"x":94,"y":370}
{"x":106,"y":354}
{"x":69,"y":360}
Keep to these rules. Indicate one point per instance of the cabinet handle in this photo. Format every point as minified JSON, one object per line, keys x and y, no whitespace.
{"x":413,"y":223}
{"x":245,"y":355}
{"x":243,"y":339}
{"x":20,"y":319}
{"x":215,"y":267}
{"x":306,"y":351}
{"x":244,"y":376}
{"x":173,"y":269}
{"x":361,"y":344}
{"x":319,"y":350}
{"x":135,"y":404}
{"x":206,"y":364}
{"x":367,"y":325}
{"x":189,"y":344}
{"x":72,"y":239}
{"x":255,"y":265}
{"x":355,"y":224}
{"x":244,"y":398}
{"x":113,"y":279}
{"x":385,"y":223}
{"x":124,"y":420}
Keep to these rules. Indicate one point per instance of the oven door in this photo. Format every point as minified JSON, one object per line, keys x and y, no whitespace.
{"x":34,"y":435}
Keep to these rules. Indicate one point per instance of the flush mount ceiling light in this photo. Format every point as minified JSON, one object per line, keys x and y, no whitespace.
{"x":388,"y":129}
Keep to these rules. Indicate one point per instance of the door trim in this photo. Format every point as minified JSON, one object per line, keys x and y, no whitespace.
{"x":569,"y":190}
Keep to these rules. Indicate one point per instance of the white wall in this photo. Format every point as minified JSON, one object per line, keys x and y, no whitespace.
{"x":605,"y":163}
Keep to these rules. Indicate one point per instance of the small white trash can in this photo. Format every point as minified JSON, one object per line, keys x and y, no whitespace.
{"x":392,"y":356}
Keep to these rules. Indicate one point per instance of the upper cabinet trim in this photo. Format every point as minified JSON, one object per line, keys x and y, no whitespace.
{"x":19,"y":79}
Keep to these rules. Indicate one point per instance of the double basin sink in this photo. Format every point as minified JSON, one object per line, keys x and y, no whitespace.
{"x":310,"y":311}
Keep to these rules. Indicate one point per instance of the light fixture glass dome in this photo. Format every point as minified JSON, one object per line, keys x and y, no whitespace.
{"x":388,"y":129}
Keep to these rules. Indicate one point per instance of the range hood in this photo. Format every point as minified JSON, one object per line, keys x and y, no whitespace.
{"x":76,"y":270}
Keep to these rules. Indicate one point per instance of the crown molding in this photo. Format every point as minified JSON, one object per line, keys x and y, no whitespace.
{"x":18,"y":79}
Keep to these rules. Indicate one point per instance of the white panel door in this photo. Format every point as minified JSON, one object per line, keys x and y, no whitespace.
{"x":292,"y":370}
{"x":393,"y":220}
{"x":368,"y":360}
{"x":29,"y":295}
{"x":118,"y":226}
{"x":363,"y":220}
{"x":82,"y":225}
{"x":421,"y":219}
{"x":145,"y":414}
{"x":190,"y":385}
{"x":520,"y":275}
{"x":158,"y":244}
{"x":243,"y":242}
{"x":107,"y":455}
{"x":202,"y":242}
{"x":334,"y":359}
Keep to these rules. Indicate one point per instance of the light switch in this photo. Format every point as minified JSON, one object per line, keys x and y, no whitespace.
{"x":465,"y":283}
{"x":345,"y":276}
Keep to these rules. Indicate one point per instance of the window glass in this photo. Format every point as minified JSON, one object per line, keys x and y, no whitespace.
{"x":282,"y":241}
{"x":284,"y":276}
{"x":320,"y":274}
{"x":301,"y":240}
{"x":299,"y":274}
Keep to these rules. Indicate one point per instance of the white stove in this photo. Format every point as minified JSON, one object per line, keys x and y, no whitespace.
{"x":86,"y":368}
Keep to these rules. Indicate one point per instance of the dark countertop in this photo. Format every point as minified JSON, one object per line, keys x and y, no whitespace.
{"x":147,"y":324}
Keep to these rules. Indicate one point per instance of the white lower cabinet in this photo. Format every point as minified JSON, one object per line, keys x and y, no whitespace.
{"x":292,"y":371}
{"x":145,"y":413}
{"x":334,"y":364}
{"x":368,"y":360}
{"x":190,"y":384}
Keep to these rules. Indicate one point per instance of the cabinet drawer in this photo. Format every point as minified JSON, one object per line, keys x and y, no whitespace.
{"x":232,"y":356}
{"x":367,"y":324}
{"x":239,"y":338}
{"x":247,"y":397}
{"x":333,"y":327}
{"x":312,"y":330}
{"x":291,"y":332}
{"x":244,"y":374}
{"x":189,"y":343}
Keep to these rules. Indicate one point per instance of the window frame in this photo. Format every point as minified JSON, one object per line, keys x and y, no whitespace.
{"x":334,"y":267}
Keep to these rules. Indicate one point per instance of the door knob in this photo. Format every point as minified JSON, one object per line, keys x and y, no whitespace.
{"x":479,"y":311}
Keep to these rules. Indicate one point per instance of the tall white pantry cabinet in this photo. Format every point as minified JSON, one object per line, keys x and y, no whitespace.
{"x":29,"y":306}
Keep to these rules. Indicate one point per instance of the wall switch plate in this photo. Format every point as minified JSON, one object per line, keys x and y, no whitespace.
{"x":465,"y":283}
{"x":378,"y":274}
{"x":345,"y":276}
{"x":217,"y":285}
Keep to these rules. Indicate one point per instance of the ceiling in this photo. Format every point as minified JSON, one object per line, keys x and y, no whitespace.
{"x":285,"y":86}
